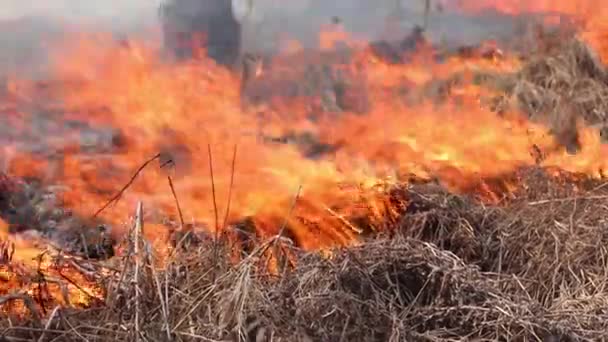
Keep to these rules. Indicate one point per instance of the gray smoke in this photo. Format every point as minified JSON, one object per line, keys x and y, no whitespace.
{"x":373,"y":20}
{"x":26,"y":25}
{"x":27,"y":28}
{"x":105,"y":13}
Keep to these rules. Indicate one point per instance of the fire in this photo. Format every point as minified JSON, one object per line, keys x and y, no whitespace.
{"x":596,"y":34}
{"x":48,"y":284}
{"x":334,"y":34}
{"x":191,"y":109}
{"x":576,"y":7}
{"x":168,"y":108}
{"x":590,"y":13}
{"x":31,"y":280}
{"x":223,"y":169}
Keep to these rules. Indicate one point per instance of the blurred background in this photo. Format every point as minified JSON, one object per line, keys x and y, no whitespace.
{"x":27,"y":28}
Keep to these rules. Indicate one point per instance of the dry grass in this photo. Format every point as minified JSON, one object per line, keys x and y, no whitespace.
{"x":530,"y":270}
{"x":565,"y":85}
{"x":567,"y":72}
{"x":562,"y":84}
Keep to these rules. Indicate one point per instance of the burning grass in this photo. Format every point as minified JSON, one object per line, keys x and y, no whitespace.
{"x":566,"y":86}
{"x":534,"y":268}
{"x":411,"y":261}
{"x":562,"y":83}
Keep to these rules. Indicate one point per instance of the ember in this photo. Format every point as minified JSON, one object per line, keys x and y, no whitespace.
{"x":432,"y":192}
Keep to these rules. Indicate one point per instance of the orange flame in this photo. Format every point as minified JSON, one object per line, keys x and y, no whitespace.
{"x":191,"y":113}
{"x":190,"y":109}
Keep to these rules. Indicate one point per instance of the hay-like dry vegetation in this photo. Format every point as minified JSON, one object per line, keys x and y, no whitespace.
{"x":565,"y":86}
{"x":534,"y":269}
{"x":562,"y":84}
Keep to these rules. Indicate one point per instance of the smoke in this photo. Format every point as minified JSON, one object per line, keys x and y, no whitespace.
{"x":105,"y":12}
{"x":28,"y":28}
{"x":388,"y":20}
{"x":24,"y":24}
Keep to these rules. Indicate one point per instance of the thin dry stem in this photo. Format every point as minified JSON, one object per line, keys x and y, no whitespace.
{"x":177,"y":206}
{"x":47,"y":326}
{"x":118,"y":195}
{"x":139,"y":226}
{"x":232,"y":171}
{"x":215,"y":209}
{"x":164,"y":305}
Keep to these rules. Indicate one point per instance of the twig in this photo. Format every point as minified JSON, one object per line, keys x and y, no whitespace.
{"x":47,"y":326}
{"x":73,"y":329}
{"x":274,"y":241}
{"x":89,"y":272}
{"x":163,"y":303}
{"x":166,"y":288}
{"x":124,"y":188}
{"x":343,"y":220}
{"x":286,"y":221}
{"x":115,"y":287}
{"x":139,"y":223}
{"x":217,"y":228}
{"x":178,"y":245}
{"x":568,"y":199}
{"x":180,"y":214}
{"x":179,"y":208}
{"x":599,"y":187}
{"x":80,"y":288}
{"x":41,"y":282}
{"x":213,"y":190}
{"x":232,"y":170}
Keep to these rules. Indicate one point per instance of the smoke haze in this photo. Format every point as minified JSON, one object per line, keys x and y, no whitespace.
{"x":93,"y":11}
{"x":28,"y":27}
{"x":24,"y":24}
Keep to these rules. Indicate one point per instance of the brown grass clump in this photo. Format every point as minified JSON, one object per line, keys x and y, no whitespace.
{"x":571,"y":72}
{"x":532,"y":269}
{"x":564,"y":85}
{"x":551,"y":237}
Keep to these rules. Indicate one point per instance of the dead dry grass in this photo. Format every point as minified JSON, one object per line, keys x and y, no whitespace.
{"x":533,"y":269}
{"x":568,"y":71}
{"x":562,"y":84}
